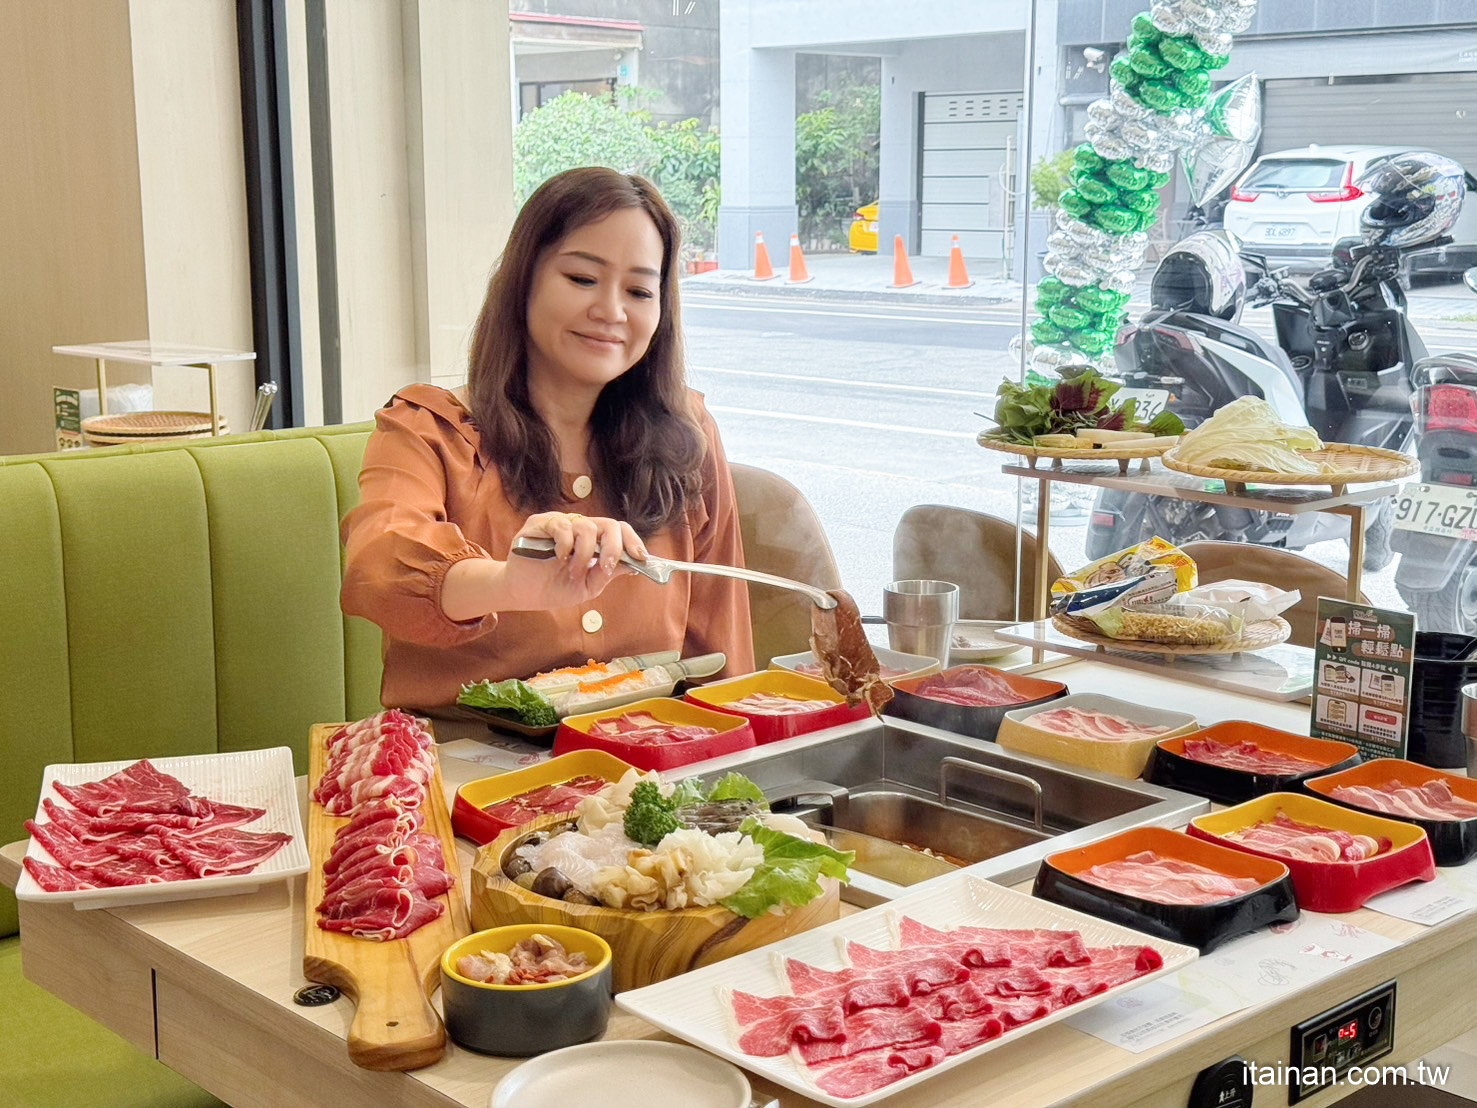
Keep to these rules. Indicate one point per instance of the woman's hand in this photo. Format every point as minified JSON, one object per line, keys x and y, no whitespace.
{"x":587,"y":552}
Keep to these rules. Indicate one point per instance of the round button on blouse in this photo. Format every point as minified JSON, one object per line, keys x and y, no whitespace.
{"x":582,"y":486}
{"x":592,"y":621}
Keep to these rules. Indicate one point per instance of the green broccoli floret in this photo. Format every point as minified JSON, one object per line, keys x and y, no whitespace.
{"x":649,"y":817}
{"x":540,"y":715}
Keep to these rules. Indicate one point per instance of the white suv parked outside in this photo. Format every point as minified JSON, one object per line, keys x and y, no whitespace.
{"x":1292,"y":206}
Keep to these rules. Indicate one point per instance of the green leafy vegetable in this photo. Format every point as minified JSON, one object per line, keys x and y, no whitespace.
{"x":1062,"y":407}
{"x":1088,"y":392}
{"x":1166,"y":423}
{"x":1023,"y":411}
{"x":790,"y":873}
{"x":690,"y":791}
{"x":735,"y":786}
{"x":651,"y":817}
{"x":523,"y":702}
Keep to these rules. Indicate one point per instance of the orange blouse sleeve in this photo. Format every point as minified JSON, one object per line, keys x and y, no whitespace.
{"x":718,"y":610}
{"x":399,"y":541}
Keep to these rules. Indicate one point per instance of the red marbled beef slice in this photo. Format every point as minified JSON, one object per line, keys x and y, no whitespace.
{"x":55,"y":879}
{"x":925,"y":1002}
{"x":136,"y":788}
{"x":223,"y":852}
{"x":772,"y":1024}
{"x":875,"y":1027}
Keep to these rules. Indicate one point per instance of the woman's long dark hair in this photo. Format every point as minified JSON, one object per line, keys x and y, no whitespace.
{"x":646,"y":448}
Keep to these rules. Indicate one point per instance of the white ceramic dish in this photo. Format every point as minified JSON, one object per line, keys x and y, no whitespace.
{"x":909,"y":665}
{"x":626,"y":1073}
{"x":972,"y":641}
{"x":690,"y":1007}
{"x":256,"y":778}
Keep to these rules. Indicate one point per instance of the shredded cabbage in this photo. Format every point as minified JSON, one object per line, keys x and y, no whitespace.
{"x":1246,"y":434}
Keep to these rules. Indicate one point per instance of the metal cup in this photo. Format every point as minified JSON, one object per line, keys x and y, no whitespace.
{"x":1469,"y":726}
{"x":920,"y":617}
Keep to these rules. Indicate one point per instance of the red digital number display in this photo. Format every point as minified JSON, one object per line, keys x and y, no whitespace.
{"x":1349,"y":1030}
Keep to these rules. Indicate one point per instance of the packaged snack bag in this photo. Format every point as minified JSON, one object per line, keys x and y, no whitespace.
{"x":1135,"y":561}
{"x":1169,"y":624}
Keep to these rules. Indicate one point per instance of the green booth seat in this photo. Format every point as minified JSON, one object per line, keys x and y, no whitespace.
{"x":159,"y":599}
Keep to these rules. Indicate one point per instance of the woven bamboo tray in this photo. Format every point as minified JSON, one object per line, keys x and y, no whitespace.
{"x":1344,"y":464}
{"x":1254,"y":636}
{"x":127,"y":427}
{"x":1059,"y":454}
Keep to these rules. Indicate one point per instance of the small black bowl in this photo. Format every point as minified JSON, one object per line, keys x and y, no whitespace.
{"x":519,"y":1020}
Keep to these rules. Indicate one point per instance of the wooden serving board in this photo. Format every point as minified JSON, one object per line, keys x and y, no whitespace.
{"x":395,"y":1027}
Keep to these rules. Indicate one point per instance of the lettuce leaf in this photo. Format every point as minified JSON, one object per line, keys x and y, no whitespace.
{"x":690,"y":790}
{"x":1023,"y":411}
{"x":790,"y":873}
{"x":735,"y":786}
{"x":523,"y":702}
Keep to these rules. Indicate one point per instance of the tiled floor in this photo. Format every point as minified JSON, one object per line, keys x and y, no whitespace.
{"x":1461,"y":1056}
{"x":1459,"y":1060}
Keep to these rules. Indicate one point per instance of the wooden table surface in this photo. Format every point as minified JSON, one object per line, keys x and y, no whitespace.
{"x":207,"y":986}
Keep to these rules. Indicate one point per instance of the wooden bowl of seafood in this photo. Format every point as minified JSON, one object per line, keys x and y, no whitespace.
{"x":649,"y":944}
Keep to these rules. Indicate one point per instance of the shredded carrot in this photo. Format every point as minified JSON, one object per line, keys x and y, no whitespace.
{"x":589,"y":669}
{"x":611,"y":684}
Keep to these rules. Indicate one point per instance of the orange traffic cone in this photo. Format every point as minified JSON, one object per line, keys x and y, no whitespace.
{"x":798,"y":274}
{"x":763,"y":271}
{"x":902,"y":273}
{"x":958,"y":277}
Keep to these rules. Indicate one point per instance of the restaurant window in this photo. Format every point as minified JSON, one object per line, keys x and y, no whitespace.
{"x":851,"y":127}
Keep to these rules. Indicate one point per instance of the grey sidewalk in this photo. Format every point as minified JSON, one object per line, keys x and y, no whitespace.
{"x":868,"y":277}
{"x":865,"y":277}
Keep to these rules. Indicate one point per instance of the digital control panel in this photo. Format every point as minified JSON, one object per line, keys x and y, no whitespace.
{"x":1355,"y":1033}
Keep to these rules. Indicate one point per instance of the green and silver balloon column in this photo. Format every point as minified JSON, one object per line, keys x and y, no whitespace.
{"x":1161,"y":108}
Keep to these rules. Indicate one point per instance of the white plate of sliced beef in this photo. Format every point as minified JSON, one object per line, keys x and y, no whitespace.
{"x":863,"y":1008}
{"x":111,"y":834}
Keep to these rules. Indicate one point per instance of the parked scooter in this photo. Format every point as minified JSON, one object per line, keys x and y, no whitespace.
{"x":1436,"y":518}
{"x":1341,"y":365}
{"x":1342,"y":362}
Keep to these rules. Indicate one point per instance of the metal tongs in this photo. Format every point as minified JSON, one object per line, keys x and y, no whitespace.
{"x":660,"y":570}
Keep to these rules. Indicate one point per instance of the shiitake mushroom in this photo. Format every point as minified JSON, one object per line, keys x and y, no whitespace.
{"x":552,"y":883}
{"x":516,"y":866}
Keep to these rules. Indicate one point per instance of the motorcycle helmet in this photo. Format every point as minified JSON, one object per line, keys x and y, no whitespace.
{"x":1201,"y":274}
{"x":1417,"y":197}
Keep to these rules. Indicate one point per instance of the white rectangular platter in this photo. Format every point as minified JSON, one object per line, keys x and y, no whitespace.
{"x":689,"y":1006}
{"x":255,"y":778}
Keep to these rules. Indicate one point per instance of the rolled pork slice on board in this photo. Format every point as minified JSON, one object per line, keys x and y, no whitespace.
{"x":848,"y":662}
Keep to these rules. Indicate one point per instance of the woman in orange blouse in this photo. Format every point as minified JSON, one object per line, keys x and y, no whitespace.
{"x":576,"y":425}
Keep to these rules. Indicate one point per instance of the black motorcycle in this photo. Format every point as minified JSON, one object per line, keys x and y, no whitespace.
{"x":1341,"y":364}
{"x":1436,"y":518}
